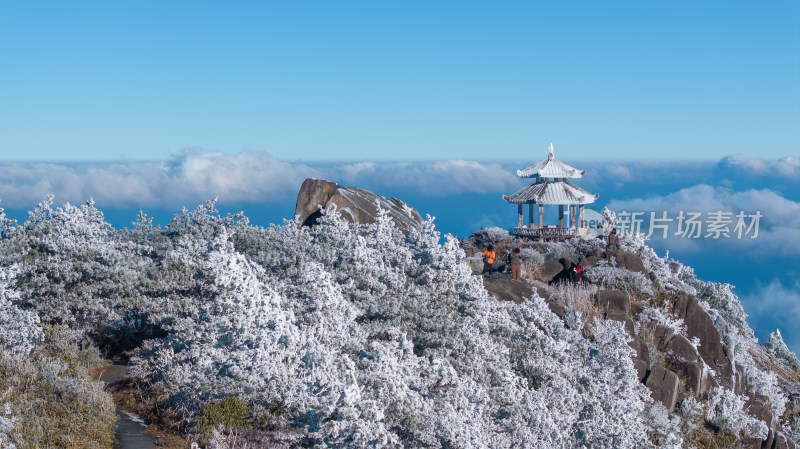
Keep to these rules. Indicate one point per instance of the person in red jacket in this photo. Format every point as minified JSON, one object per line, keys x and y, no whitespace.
{"x":488,"y":260}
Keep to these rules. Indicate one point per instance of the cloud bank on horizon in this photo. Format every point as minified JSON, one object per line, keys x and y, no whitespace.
{"x":247,"y":177}
{"x":256,"y":177}
{"x":771,"y":294}
{"x":735,"y":183}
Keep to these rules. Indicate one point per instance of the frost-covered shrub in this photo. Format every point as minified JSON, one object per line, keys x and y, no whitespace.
{"x":586,"y":246}
{"x":72,"y":268}
{"x":618,"y":278}
{"x":725,"y":309}
{"x":662,"y":316}
{"x":495,"y":234}
{"x":725,"y":411}
{"x":609,"y":220}
{"x":531,"y":255}
{"x":19,"y":329}
{"x":561,"y":250}
{"x":49,"y":400}
{"x":668,"y":273}
{"x":664,"y":430}
{"x":372,"y":338}
{"x":778,"y":349}
{"x":759,"y":380}
{"x":792,"y":429}
{"x":577,"y":298}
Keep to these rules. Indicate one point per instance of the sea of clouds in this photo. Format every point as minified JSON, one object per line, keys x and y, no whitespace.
{"x":466,"y":195}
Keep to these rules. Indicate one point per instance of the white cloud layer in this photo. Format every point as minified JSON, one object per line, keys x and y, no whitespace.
{"x":779,"y":228}
{"x":188,"y":178}
{"x":195,"y":176}
{"x":787,"y":167}
{"x":435,"y":178}
{"x":779,"y":307}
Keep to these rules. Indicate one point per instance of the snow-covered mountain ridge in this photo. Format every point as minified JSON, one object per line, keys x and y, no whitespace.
{"x":349,"y":335}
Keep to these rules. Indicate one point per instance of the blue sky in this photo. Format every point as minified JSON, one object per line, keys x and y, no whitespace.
{"x":411,"y":80}
{"x":158,"y":105}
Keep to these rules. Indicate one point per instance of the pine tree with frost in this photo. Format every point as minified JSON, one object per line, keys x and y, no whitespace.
{"x":725,"y":410}
{"x":778,"y":349}
{"x":72,"y":268}
{"x":390,"y":341}
{"x":20,"y":332}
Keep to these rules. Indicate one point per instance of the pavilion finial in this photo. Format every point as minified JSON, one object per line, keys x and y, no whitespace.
{"x":550,"y":156}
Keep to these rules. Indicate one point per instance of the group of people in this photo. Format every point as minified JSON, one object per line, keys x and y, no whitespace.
{"x":515,"y":260}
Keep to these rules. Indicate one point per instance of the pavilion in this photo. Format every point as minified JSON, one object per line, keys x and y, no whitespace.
{"x":550,"y":187}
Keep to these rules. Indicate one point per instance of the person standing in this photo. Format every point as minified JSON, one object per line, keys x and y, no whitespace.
{"x":612,"y":240}
{"x":516,"y":262}
{"x":488,"y":260}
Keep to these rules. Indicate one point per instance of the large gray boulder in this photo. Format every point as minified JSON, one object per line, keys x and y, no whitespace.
{"x":662,"y":335}
{"x":699,"y":324}
{"x":508,"y":290}
{"x":630,"y":261}
{"x":688,"y":365}
{"x":679,"y":346}
{"x":550,"y":270}
{"x":641,"y":361}
{"x":614,"y":300}
{"x":663,"y":384}
{"x":354,"y":205}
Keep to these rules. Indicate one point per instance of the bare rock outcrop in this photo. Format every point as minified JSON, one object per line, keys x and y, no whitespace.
{"x":699,"y":324}
{"x":355,"y":205}
{"x":614,"y":300}
{"x":630,"y":261}
{"x":550,"y":270}
{"x":663,"y":384}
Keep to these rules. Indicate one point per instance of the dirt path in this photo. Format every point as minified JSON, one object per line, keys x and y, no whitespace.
{"x":131,"y":429}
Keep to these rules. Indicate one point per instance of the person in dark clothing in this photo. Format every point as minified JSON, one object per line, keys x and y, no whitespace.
{"x":576,"y":273}
{"x":515,"y":260}
{"x":612,"y":240}
{"x":488,"y":260}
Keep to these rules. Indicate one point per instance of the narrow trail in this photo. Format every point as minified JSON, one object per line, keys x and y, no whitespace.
{"x":131,"y":429}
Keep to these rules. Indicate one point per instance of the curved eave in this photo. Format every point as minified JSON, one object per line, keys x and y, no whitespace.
{"x":551,"y":193}
{"x":551,"y":168}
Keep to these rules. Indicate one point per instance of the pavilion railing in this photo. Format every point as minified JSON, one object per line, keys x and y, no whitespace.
{"x":547,"y":231}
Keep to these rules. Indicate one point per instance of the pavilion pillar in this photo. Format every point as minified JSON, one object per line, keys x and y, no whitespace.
{"x":580,"y":216}
{"x":571,"y":215}
{"x":530,"y":215}
{"x":519,"y":215}
{"x":541,"y":216}
{"x":560,"y":215}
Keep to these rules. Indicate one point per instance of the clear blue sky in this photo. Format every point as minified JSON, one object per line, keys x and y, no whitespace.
{"x":348,"y":80}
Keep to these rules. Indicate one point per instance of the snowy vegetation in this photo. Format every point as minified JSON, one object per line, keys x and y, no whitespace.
{"x":619,"y":279}
{"x":359,"y":336}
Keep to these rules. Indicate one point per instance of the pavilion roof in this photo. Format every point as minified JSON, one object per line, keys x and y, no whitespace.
{"x":551,"y":192}
{"x":551,"y":168}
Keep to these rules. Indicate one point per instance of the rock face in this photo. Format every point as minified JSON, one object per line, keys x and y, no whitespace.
{"x":508,"y":290}
{"x":614,"y":300}
{"x":699,"y":324}
{"x":550,"y":270}
{"x":641,"y":361}
{"x":663,"y":384}
{"x":630,"y":261}
{"x":355,"y":205}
